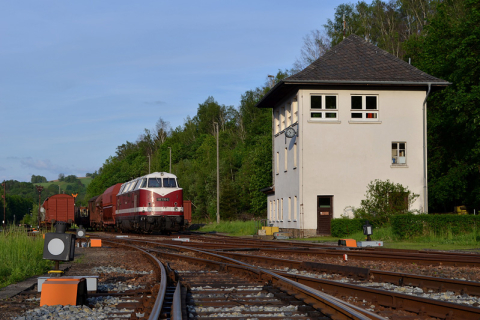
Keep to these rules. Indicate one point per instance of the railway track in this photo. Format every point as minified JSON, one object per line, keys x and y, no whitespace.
{"x":330,"y":307}
{"x":242,"y":284}
{"x":396,"y":301}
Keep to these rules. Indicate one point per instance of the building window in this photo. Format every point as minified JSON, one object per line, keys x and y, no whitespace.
{"x":364,"y":108}
{"x":398,"y":201}
{"x":282,"y":118}
{"x":295,"y":111}
{"x":271,"y":211}
{"x":277,"y":165}
{"x":286,"y":159}
{"x":399,"y":153}
{"x":275,"y":208}
{"x":289,"y":208}
{"x":281,"y":209}
{"x":288,"y":114}
{"x":295,"y":208}
{"x":323,"y":107}
{"x":295,"y":155}
{"x":277,"y":122}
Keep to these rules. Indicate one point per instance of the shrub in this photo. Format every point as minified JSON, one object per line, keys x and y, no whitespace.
{"x":383,"y":200}
{"x":345,"y":227}
{"x":409,"y":225}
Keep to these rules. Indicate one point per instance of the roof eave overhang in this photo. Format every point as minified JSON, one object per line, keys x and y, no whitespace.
{"x":282,"y":88}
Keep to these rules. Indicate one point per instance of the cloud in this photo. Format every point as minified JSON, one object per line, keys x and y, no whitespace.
{"x":46,"y":165}
{"x":158,"y":103}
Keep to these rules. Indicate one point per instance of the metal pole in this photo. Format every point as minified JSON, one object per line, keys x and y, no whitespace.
{"x":39,"y":190}
{"x":4,"y":201}
{"x":170,"y":149}
{"x":148,"y":164}
{"x":218,"y":178}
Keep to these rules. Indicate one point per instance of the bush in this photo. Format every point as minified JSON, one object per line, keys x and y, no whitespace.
{"x":410,"y":225}
{"x":345,"y":227}
{"x":383,"y":200}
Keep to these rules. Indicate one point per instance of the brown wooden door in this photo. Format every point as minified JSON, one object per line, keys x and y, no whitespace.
{"x":324,"y":214}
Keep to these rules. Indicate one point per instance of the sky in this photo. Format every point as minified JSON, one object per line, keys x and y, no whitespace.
{"x":79,"y":78}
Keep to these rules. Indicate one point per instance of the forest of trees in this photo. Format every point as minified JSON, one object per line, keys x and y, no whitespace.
{"x":439,"y":37}
{"x":245,"y":156}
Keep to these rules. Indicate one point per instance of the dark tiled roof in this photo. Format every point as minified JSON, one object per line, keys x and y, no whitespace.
{"x":355,"y":59}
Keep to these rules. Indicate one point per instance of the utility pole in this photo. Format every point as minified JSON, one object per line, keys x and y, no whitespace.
{"x":218,"y":177}
{"x":4,"y":197}
{"x":39,"y":190}
{"x":148,"y":164}
{"x":272,"y":80}
{"x":170,"y":149}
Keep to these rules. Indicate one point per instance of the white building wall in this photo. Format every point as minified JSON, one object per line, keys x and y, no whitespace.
{"x":286,"y":178}
{"x":340,"y":157}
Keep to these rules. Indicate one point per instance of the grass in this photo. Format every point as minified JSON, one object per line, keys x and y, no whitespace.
{"x":234,"y":228}
{"x":21,"y":256}
{"x":63,"y":185}
{"x":444,"y":241}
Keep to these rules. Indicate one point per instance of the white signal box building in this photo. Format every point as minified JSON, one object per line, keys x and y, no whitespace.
{"x":354,"y":115}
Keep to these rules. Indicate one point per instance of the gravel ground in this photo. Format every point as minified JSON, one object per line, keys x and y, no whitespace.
{"x":118,"y":270}
{"x":459,"y":273}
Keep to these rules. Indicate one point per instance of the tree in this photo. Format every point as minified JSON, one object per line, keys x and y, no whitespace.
{"x":315,"y":44}
{"x":38,"y":179}
{"x":450,"y":50}
{"x":384,"y":199}
{"x":61,"y":177}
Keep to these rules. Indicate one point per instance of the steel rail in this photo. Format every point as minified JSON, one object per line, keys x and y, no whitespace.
{"x":176,"y":311}
{"x":422,"y":306}
{"x":337,"y":309}
{"x":439,"y":309}
{"x":401,"y":279}
{"x":157,"y":307}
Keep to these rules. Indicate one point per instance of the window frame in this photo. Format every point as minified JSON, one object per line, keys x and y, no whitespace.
{"x":323,"y":110}
{"x":395,"y":160}
{"x":363,"y":111}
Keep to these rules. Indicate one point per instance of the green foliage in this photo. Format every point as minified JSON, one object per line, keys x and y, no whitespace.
{"x":383,"y":200}
{"x":409,"y":226}
{"x":451,"y":50}
{"x":38,"y":179}
{"x":387,"y":24}
{"x":344,"y":227}
{"x":22,"y":256}
{"x":234,"y":228}
{"x":244,"y":149}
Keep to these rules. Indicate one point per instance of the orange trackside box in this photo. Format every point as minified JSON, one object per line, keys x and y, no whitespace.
{"x":63,"y":291}
{"x":347,"y":243}
{"x":95,"y":243}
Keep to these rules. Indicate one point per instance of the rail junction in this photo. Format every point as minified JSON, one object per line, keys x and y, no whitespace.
{"x":213,"y":276}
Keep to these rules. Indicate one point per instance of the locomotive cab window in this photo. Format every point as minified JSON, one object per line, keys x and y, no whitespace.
{"x":139,"y":184}
{"x":169,"y":183}
{"x":144,"y":183}
{"x":154,"y":183}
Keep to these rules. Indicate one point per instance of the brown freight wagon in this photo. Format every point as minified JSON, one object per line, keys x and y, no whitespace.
{"x":59,"y":207}
{"x":109,"y":205}
{"x":95,"y":210}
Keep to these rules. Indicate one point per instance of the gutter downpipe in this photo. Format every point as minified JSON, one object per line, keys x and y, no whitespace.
{"x":425,"y":185}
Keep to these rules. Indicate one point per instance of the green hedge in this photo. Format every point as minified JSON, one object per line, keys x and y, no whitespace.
{"x":409,"y":225}
{"x":345,"y":227}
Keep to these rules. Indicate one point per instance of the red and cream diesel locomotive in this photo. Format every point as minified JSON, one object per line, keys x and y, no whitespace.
{"x":151,"y":203}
